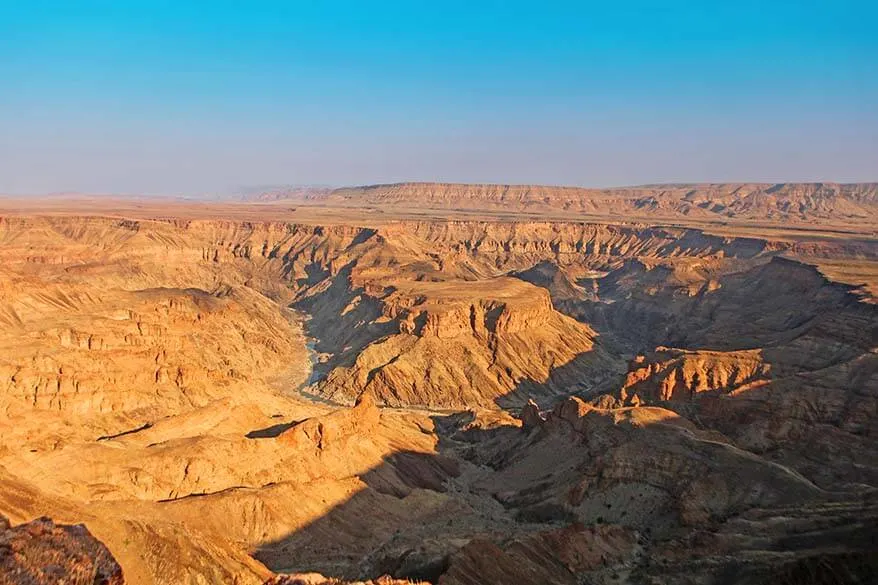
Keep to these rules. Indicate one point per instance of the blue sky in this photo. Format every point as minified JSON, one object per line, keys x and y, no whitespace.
{"x":195,"y":97}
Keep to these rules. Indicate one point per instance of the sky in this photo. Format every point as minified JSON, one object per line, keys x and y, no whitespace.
{"x":193,"y":97}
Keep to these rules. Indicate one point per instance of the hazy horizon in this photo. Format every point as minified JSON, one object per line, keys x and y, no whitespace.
{"x":243,"y":192}
{"x":200,"y":98}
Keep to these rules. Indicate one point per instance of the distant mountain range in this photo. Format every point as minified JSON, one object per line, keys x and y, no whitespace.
{"x":849,"y":203}
{"x":856,"y":202}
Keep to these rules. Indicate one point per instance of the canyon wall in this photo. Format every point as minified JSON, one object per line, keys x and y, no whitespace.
{"x":560,"y":400}
{"x":753,"y":201}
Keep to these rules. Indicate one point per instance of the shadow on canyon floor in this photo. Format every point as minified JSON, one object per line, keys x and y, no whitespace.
{"x":382,"y":527}
{"x":340,"y":321}
{"x":272,"y":431}
{"x":415,"y":510}
{"x":587,"y":375}
{"x":409,"y":514}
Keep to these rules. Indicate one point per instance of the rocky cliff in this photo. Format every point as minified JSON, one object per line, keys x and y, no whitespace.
{"x":755,"y":201}
{"x":469,"y":343}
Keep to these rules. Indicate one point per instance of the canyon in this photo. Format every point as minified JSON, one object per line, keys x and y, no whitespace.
{"x":447,"y":384}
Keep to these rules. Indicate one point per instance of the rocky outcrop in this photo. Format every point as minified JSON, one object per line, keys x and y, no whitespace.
{"x":323,"y":432}
{"x":461,"y":344}
{"x":530,"y":416}
{"x":678,"y":375}
{"x":44,"y":553}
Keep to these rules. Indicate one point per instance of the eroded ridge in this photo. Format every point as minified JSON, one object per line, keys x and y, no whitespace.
{"x":491,"y":402}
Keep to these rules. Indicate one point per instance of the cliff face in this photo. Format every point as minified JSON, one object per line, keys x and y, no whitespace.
{"x":757,"y":201}
{"x":469,"y":343}
{"x":118,"y":351}
{"x":678,"y":375}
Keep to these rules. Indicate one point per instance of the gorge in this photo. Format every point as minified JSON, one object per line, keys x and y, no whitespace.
{"x":338,"y":387}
